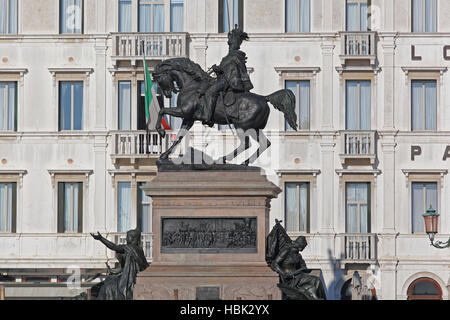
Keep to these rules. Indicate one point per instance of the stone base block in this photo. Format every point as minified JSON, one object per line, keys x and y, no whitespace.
{"x":166,"y":282}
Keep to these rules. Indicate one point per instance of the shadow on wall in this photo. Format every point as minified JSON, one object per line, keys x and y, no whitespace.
{"x":334,"y":288}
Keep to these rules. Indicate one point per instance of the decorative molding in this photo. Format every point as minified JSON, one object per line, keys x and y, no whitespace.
{"x":313,"y":172}
{"x":293,"y":69}
{"x":56,"y":172}
{"x":342,"y":69}
{"x":220,"y":203}
{"x":424,"y":171}
{"x":19,"y":173}
{"x":374,"y":172}
{"x":132,"y":173}
{"x":55,"y":71}
{"x":441,"y":71}
{"x":20,"y":71}
{"x":440,"y":172}
{"x":71,"y":70}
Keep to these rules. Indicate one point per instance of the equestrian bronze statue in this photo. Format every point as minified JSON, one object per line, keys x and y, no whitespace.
{"x":283,"y":256}
{"x":224,"y":99}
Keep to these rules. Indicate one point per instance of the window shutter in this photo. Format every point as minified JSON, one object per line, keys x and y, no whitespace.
{"x":80,"y":207}
{"x":14,"y":208}
{"x":221,"y":17}
{"x":241,"y":15}
{"x":60,"y":196}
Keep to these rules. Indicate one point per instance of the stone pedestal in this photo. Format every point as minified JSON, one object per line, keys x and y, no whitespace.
{"x":210,"y":225}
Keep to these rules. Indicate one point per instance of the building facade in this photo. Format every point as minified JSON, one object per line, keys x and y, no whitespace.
{"x":370,"y":156}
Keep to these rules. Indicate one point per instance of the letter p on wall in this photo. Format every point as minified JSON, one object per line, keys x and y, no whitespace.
{"x":415,"y":151}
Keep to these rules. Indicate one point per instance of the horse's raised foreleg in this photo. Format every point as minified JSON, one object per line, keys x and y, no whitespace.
{"x":263,"y":145}
{"x":174,"y":112}
{"x":186,"y":125}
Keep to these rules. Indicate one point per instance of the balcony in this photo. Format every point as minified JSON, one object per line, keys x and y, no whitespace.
{"x":135,"y":145}
{"x":157,"y":46}
{"x":147,"y":243}
{"x":359,"y":247}
{"x":358,"y":46}
{"x":358,"y":145}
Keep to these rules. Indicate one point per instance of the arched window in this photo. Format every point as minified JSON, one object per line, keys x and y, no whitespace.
{"x":424,"y":289}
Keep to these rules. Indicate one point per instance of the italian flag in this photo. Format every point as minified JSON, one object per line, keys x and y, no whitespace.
{"x":151,"y":103}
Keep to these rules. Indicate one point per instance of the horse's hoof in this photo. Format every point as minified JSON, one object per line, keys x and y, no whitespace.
{"x":246,"y":163}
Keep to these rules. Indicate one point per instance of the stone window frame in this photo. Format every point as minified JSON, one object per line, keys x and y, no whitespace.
{"x":350,"y":176}
{"x":134,"y":177}
{"x":14,"y":176}
{"x":16,"y":75}
{"x":135,"y":15}
{"x":70,"y":176}
{"x":71,"y":74}
{"x":355,"y":74}
{"x":426,"y":73}
{"x":423,"y":175}
{"x":301,"y":74}
{"x":301,"y":176}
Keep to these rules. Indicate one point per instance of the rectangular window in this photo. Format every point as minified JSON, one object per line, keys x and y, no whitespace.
{"x":141,"y":117}
{"x":8,"y":202}
{"x":124,"y":105}
{"x":70,"y":105}
{"x":8,"y":16}
{"x":151,"y":16}
{"x":424,"y":15}
{"x":123,"y":206}
{"x":70,"y":207}
{"x":8,"y":106}
{"x":176,"y":15}
{"x":424,"y":105}
{"x":358,"y":96}
{"x":298,"y":15}
{"x":357,"y":207}
{"x":297,"y":206}
{"x":301,"y":90}
{"x":153,"y":112}
{"x":231,"y":13}
{"x":424,"y":195}
{"x":144,"y":209}
{"x":358,"y":15}
{"x":125,"y":16}
{"x":70,"y":16}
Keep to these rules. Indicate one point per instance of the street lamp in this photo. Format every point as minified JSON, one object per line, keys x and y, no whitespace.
{"x":431,"y":227}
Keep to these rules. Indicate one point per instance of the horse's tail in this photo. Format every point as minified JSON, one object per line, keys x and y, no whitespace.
{"x":284,"y":101}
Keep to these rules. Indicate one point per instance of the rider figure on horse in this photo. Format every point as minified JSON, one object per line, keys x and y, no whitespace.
{"x":231,"y":74}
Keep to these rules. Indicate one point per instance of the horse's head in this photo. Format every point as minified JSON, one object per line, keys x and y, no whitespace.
{"x":181,"y":71}
{"x":165,"y":82}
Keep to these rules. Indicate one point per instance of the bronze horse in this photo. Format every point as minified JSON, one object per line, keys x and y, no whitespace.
{"x":244,"y":110}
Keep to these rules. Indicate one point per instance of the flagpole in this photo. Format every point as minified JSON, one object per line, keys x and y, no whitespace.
{"x":145,"y":107}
